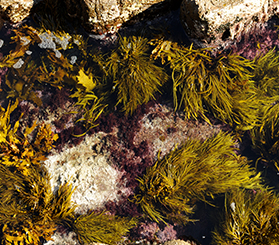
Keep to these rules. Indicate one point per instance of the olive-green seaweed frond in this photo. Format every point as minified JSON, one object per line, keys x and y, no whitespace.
{"x":91,"y":107}
{"x":197,"y":170}
{"x":29,"y":211}
{"x":266,"y":73}
{"x":265,"y":137}
{"x":135,"y":76}
{"x":88,"y":102}
{"x":101,"y":228}
{"x":251,"y":217}
{"x":204,"y":84}
{"x":20,"y":82}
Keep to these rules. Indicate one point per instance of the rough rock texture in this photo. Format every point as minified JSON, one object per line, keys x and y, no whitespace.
{"x":178,"y":242}
{"x":103,"y":16}
{"x":15,"y":10}
{"x":214,"y":21}
{"x":95,"y":179}
{"x":97,"y":16}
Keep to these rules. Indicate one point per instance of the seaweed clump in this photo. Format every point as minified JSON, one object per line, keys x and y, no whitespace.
{"x":251,"y":217}
{"x":101,"y":228}
{"x":195,"y":171}
{"x":29,"y":211}
{"x":205,"y":84}
{"x":18,"y":150}
{"x":135,"y":77}
{"x":265,"y":137}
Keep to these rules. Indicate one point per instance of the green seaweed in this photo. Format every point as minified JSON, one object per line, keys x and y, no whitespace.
{"x":266,"y":73}
{"x":250,"y":218}
{"x":195,"y":171}
{"x":265,"y":137}
{"x":29,"y":211}
{"x":20,"y":83}
{"x":88,"y":102}
{"x":204,"y":84}
{"x":91,"y":107}
{"x":101,"y":228}
{"x":135,"y":77}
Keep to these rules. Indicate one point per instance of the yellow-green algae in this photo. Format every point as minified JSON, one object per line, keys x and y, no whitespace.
{"x":17,"y":150}
{"x":196,"y":170}
{"x":251,"y":217}
{"x":135,"y":76}
{"x":265,"y":137}
{"x":29,"y":210}
{"x":203,"y":84}
{"x":228,"y":86}
{"x":101,"y":228}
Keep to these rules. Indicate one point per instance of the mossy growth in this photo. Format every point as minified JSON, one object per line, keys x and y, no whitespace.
{"x":101,"y":228}
{"x":196,"y":171}
{"x":135,"y":77}
{"x":29,"y":211}
{"x":251,"y":217}
{"x":204,"y":84}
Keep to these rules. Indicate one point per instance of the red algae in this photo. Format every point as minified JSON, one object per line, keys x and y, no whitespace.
{"x":259,"y":40}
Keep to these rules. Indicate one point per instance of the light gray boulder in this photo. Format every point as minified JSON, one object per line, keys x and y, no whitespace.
{"x":106,"y":16}
{"x":97,"y":16}
{"x":211,"y":22}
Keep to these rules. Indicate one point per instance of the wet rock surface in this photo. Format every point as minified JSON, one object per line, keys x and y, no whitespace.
{"x":159,"y":129}
{"x":105,"y":16}
{"x":16,"y":11}
{"x":108,"y":15}
{"x":212,"y":23}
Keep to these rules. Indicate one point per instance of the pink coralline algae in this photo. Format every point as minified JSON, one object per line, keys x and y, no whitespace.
{"x":258,"y":40}
{"x":148,"y":230}
{"x":167,"y":234}
{"x":151,"y":231}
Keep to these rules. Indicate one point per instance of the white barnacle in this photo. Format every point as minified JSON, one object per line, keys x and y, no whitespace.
{"x":73,"y":59}
{"x":18,"y":64}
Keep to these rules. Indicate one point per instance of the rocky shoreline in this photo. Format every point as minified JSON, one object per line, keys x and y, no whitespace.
{"x":105,"y":163}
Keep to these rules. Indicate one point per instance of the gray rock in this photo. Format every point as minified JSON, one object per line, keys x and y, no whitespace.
{"x":106,"y":16}
{"x":97,"y":16}
{"x":211,"y":22}
{"x":178,"y":242}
